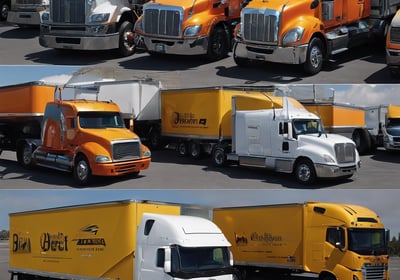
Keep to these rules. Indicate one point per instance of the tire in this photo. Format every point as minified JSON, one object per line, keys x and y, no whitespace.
{"x":315,"y":56}
{"x":155,"y":140}
{"x":304,"y":172}
{"x":363,"y":141}
{"x":219,"y":156}
{"x":194,"y":150}
{"x":218,"y":44}
{"x":240,"y":61}
{"x":24,"y":155}
{"x":328,"y":277}
{"x":82,"y":172}
{"x":181,"y":149}
{"x":4,"y":9}
{"x":127,"y":45}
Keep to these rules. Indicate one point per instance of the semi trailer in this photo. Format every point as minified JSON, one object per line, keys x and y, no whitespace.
{"x":128,"y":239}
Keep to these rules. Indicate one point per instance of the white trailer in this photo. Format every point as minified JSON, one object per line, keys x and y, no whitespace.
{"x":139,"y":101}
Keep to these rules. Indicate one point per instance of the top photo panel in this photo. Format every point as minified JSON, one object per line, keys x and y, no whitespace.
{"x":203,"y":43}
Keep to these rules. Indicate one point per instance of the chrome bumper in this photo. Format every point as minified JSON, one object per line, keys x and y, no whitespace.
{"x":192,"y":46}
{"x":333,"y":171}
{"x":393,"y":57}
{"x":77,"y":42}
{"x":288,"y":55}
{"x":24,"y":18}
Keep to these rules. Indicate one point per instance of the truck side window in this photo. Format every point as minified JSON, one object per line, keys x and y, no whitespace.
{"x":283,"y":128}
{"x":148,"y":226}
{"x":160,"y":257}
{"x":335,"y":236}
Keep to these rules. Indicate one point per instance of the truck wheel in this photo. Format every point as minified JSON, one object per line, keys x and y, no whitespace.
{"x":24,"y":155}
{"x":328,"y":277}
{"x":217,"y":46}
{"x":4,"y":8}
{"x":182,"y":149}
{"x":219,"y":156}
{"x":155,"y":140}
{"x":315,"y":57}
{"x":363,"y":141}
{"x":82,"y":172}
{"x":304,"y":172}
{"x":194,"y":150}
{"x":240,"y":61}
{"x":126,"y":39}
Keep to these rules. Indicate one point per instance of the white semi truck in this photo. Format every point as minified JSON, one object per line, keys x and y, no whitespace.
{"x":280,"y":134}
{"x":90,"y":25}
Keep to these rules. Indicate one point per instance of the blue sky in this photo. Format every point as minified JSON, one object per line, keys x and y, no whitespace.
{"x":16,"y":74}
{"x":384,"y":202}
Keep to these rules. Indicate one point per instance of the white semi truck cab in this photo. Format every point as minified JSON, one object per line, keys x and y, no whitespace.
{"x":90,"y":25}
{"x":289,"y":139}
{"x":391,"y":128}
{"x":181,"y":247}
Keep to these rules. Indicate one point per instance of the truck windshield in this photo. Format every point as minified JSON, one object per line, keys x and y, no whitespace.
{"x":203,"y":261}
{"x":367,"y":241}
{"x":100,"y":120}
{"x":393,"y":127}
{"x":307,"y":126}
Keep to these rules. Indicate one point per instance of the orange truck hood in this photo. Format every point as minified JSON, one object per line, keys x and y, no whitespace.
{"x":109,"y":134}
{"x":182,"y":3}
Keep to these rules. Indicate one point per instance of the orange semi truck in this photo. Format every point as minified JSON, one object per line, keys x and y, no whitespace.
{"x":85,"y":137}
{"x":393,"y":45}
{"x":200,"y":27}
{"x":307,"y":32}
{"x":330,"y":241}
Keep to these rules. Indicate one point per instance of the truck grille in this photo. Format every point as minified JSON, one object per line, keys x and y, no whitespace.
{"x":395,"y":34}
{"x":72,"y":11}
{"x":126,"y":150}
{"x":373,"y":272}
{"x":260,"y":25}
{"x":162,"y":20}
{"x":345,"y":152}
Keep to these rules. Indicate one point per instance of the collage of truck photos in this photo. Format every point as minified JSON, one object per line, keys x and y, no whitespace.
{"x":199,"y":140}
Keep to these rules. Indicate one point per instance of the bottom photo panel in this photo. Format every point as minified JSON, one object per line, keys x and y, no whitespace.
{"x":200,"y":234}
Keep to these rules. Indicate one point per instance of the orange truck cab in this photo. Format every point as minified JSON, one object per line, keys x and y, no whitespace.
{"x":187,"y":27}
{"x":80,"y":136}
{"x":307,"y":32}
{"x":393,"y":45}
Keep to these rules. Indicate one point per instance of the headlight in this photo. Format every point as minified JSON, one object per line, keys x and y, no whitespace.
{"x":99,"y":17}
{"x":239,"y":31}
{"x":293,"y":35}
{"x":45,"y":16}
{"x":101,"y":158}
{"x":147,"y":153}
{"x":192,"y":30}
{"x":329,"y":158}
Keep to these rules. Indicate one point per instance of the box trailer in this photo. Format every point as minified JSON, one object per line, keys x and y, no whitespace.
{"x":327,"y":240}
{"x":117,"y":240}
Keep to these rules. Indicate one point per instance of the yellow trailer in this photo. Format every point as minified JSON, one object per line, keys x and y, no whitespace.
{"x":361,"y":124}
{"x":329,"y":240}
{"x":197,"y":118}
{"x":116,"y":240}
